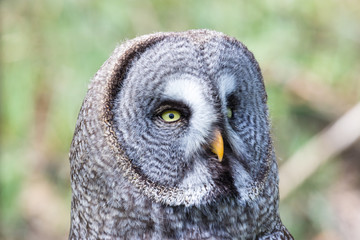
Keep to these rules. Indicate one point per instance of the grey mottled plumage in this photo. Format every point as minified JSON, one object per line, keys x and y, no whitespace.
{"x":136,"y":173}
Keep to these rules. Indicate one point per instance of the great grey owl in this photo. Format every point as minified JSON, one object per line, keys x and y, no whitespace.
{"x":173,"y":142}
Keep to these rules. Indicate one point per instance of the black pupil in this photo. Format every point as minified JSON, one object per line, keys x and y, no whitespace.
{"x":171,"y":115}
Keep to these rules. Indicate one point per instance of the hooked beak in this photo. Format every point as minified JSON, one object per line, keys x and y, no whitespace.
{"x":217,"y":146}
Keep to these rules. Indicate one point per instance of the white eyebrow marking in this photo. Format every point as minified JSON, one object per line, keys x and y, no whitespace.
{"x":188,"y":89}
{"x":227,"y":85}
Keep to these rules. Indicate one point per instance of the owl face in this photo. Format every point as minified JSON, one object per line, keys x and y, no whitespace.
{"x":192,"y":115}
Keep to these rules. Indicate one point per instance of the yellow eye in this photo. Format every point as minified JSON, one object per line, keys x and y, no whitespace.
{"x":170,"y":116}
{"x":229,"y":112}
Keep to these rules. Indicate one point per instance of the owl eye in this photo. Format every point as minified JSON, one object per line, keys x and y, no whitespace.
{"x":170,"y":115}
{"x":229,"y":112}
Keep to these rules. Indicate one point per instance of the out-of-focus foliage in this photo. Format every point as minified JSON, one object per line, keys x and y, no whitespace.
{"x":51,"y":49}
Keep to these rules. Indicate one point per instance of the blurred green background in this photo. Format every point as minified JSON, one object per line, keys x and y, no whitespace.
{"x":308,"y":51}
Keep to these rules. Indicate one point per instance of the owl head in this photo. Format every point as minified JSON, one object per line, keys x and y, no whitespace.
{"x":173,"y":142}
{"x":182,"y":117}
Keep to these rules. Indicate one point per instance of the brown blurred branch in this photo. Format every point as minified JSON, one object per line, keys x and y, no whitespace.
{"x":312,"y":89}
{"x":328,"y":143}
{"x":320,"y":96}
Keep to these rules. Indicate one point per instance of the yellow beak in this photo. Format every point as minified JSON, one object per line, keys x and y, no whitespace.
{"x":217,"y":146}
